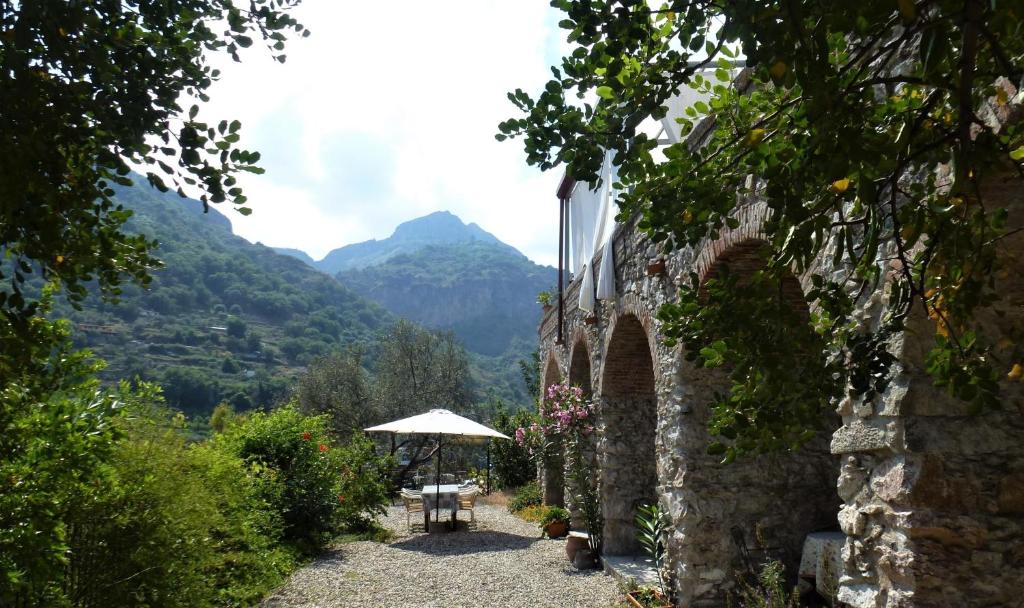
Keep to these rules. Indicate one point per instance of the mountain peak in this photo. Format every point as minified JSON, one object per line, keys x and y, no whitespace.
{"x":437,"y":228}
{"x":440,"y":227}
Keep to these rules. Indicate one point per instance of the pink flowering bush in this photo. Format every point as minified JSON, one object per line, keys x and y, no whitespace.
{"x":566,"y":415}
{"x":564,"y":411}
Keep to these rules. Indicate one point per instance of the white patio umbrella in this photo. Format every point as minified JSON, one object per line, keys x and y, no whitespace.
{"x":437,"y":422}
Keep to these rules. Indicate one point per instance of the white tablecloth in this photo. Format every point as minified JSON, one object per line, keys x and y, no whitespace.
{"x":446,"y":495}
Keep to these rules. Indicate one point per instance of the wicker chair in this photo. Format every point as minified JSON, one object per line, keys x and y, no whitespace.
{"x":467,"y":501}
{"x":413,"y":502}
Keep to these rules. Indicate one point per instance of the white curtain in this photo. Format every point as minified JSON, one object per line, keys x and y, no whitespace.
{"x":591,"y":222}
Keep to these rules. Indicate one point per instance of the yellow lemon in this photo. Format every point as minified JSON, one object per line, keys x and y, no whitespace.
{"x":840,"y":185}
{"x":1015,"y":372}
{"x":778,"y":69}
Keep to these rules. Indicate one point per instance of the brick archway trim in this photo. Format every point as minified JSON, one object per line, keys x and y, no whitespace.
{"x":630,"y":306}
{"x":752,"y":218}
{"x":552,"y":360}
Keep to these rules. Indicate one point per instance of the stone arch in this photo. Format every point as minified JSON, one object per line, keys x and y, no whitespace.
{"x":580,"y":366}
{"x":552,"y":373}
{"x":552,"y":475}
{"x":627,"y":429}
{"x":772,"y":501}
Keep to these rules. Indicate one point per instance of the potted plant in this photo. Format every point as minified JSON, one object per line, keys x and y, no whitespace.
{"x":555,"y":522}
{"x":652,"y":527}
{"x":647,"y":597}
{"x":545,"y":298}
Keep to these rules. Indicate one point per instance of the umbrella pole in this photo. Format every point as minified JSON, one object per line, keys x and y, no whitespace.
{"x":488,"y":488}
{"x":437,"y":488}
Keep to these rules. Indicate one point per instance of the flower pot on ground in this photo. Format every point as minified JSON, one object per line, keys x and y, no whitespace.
{"x":556,"y":529}
{"x":555,"y":522}
{"x":576,"y":541}
{"x":585,"y":559}
{"x":647,"y":597}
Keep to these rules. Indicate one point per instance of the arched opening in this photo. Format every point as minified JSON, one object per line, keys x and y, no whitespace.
{"x":628,"y":421}
{"x":579,"y":368}
{"x":735,"y":516}
{"x":552,"y":475}
{"x":580,"y":375}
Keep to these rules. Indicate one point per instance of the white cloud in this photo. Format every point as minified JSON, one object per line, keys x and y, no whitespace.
{"x":383,"y":115}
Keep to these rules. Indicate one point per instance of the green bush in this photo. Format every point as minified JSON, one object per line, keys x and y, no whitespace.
{"x":175,"y":525}
{"x":365,"y":487}
{"x":513,"y":466}
{"x":57,"y":428}
{"x":526,"y":496}
{"x":318,"y":490}
{"x":554,"y":513}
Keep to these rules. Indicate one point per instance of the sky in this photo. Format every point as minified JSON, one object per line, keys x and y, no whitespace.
{"x":383,"y":115}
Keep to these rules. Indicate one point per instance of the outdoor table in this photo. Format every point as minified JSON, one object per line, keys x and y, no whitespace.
{"x":446,"y":494}
{"x":821,"y":560}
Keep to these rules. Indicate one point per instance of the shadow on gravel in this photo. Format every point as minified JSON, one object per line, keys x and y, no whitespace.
{"x":463,"y":542}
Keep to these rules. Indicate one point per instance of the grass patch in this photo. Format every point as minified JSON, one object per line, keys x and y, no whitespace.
{"x":532,"y":513}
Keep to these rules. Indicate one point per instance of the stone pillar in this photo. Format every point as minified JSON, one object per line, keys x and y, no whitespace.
{"x":553,"y":480}
{"x":628,"y":468}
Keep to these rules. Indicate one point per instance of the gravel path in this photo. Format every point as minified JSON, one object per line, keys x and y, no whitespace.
{"x":500,"y":561}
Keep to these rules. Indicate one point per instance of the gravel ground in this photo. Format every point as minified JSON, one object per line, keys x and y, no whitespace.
{"x":499,"y":561}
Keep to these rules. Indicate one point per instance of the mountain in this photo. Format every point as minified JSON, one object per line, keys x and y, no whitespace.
{"x":298,"y":254}
{"x":225,"y":319}
{"x":438,"y":228}
{"x":444,"y":274}
{"x":486,"y":293}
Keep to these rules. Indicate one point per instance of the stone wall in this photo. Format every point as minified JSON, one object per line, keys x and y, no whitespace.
{"x":931,"y":498}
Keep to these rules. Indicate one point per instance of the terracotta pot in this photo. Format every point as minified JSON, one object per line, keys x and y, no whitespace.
{"x":585,"y":560}
{"x":657,"y":267}
{"x":574,"y":544}
{"x":661,"y":601}
{"x":556,"y":529}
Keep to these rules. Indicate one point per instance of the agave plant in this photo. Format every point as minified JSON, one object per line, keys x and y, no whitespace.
{"x":652,"y":524}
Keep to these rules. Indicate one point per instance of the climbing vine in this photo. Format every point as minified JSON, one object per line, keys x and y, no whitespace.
{"x":874,"y":133}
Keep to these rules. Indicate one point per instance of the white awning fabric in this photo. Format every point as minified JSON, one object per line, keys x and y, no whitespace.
{"x":591,"y":223}
{"x":438,"y":422}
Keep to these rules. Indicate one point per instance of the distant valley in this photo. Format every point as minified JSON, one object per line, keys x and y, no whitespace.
{"x":444,"y":274}
{"x":228,"y":320}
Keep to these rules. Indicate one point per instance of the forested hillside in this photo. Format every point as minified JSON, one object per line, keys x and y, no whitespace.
{"x":226,"y":319}
{"x":485,"y":293}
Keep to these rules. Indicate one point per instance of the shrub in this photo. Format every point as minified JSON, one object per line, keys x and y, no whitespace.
{"x":171,"y":524}
{"x":364,"y":491}
{"x":525,"y":496}
{"x":532,"y":513}
{"x":512,"y":463}
{"x":297,"y":472}
{"x":318,"y":489}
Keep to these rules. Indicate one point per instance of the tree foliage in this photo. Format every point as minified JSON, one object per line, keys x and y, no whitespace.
{"x":88,"y":88}
{"x":874,"y":132}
